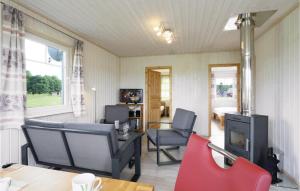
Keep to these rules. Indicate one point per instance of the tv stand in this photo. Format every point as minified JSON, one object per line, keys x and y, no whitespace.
{"x":136,"y":115}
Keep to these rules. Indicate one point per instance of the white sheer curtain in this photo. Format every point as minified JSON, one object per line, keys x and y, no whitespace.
{"x":12,"y":84}
{"x":77,"y":83}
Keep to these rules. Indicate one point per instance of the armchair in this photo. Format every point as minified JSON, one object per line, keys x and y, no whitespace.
{"x":176,"y":136}
{"x":115,"y":112}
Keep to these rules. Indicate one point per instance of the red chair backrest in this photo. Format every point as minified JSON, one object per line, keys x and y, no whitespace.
{"x":199,"y":172}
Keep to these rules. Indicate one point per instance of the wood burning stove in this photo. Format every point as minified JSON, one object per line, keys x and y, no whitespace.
{"x":247,"y":136}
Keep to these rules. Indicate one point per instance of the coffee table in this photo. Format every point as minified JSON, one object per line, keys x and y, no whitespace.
{"x":41,"y":179}
{"x":121,"y":137}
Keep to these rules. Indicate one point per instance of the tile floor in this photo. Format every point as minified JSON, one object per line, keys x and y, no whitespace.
{"x":164,"y":177}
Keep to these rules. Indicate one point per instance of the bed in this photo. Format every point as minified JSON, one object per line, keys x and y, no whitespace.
{"x":219,"y":113}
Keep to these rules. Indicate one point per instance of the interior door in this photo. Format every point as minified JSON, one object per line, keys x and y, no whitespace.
{"x":154,"y":97}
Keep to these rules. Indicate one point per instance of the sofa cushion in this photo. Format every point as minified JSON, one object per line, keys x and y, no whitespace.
{"x":167,"y":137}
{"x":116,"y":112}
{"x":90,"y":151}
{"x":96,"y":128}
{"x":49,"y":146}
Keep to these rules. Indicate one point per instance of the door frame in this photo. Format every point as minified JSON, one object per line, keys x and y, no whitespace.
{"x":210,"y":66}
{"x":146,"y":89}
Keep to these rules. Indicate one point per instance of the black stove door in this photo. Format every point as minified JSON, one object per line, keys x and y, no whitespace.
{"x":237,"y":138}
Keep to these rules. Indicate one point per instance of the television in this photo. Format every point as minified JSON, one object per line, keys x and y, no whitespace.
{"x":131,"y":96}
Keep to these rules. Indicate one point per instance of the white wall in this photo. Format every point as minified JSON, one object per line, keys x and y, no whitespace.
{"x":278,"y":88}
{"x":101,"y":70}
{"x":189,"y":83}
{"x":224,"y":102}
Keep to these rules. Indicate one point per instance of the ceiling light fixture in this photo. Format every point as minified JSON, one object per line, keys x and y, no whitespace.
{"x":166,"y":34}
{"x":231,"y":24}
{"x":169,"y":41}
{"x":156,"y":29}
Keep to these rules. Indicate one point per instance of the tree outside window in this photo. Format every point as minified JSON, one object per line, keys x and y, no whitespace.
{"x":44,"y":73}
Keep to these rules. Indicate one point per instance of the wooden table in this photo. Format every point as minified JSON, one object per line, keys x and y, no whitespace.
{"x":41,"y":179}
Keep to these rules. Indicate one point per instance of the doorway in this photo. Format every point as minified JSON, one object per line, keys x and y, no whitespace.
{"x":158,"y":94}
{"x":224,"y":97}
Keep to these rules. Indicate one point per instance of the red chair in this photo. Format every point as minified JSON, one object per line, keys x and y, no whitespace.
{"x":199,"y":171}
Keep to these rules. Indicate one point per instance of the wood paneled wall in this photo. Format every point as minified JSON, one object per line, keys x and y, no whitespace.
{"x":189,"y":83}
{"x":278,"y":88}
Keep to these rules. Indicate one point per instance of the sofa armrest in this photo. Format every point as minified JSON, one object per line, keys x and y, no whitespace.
{"x":24,"y":154}
{"x":126,"y":145}
{"x":122,"y":157}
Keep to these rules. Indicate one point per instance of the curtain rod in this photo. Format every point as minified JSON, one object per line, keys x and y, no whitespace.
{"x":42,"y":22}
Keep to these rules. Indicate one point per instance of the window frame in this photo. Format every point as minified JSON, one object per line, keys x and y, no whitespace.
{"x":169,"y":87}
{"x":67,"y":68}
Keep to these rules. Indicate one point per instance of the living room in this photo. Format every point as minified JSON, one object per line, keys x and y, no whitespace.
{"x":79,"y":55}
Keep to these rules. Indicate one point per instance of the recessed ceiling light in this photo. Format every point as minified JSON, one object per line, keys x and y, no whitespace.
{"x":231,"y":24}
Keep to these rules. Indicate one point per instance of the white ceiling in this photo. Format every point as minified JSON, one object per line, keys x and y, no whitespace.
{"x":125,"y":27}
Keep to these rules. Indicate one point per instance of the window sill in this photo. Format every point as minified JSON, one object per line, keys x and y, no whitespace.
{"x":47,"y":111}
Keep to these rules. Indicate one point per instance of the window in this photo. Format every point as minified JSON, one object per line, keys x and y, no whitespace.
{"x":46,"y":73}
{"x":165,"y":88}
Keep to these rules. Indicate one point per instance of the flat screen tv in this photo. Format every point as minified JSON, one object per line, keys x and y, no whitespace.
{"x":131,"y":96}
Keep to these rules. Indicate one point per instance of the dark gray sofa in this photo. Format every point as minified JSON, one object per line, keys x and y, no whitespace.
{"x":80,"y":146}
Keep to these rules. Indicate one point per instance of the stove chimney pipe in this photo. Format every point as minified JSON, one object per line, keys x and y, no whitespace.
{"x":246,"y":25}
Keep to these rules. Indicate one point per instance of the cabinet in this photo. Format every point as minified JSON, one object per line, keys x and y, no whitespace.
{"x":136,"y":115}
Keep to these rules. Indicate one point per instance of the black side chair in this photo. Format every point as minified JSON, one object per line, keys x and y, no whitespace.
{"x":115,"y":112}
{"x":178,"y":135}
